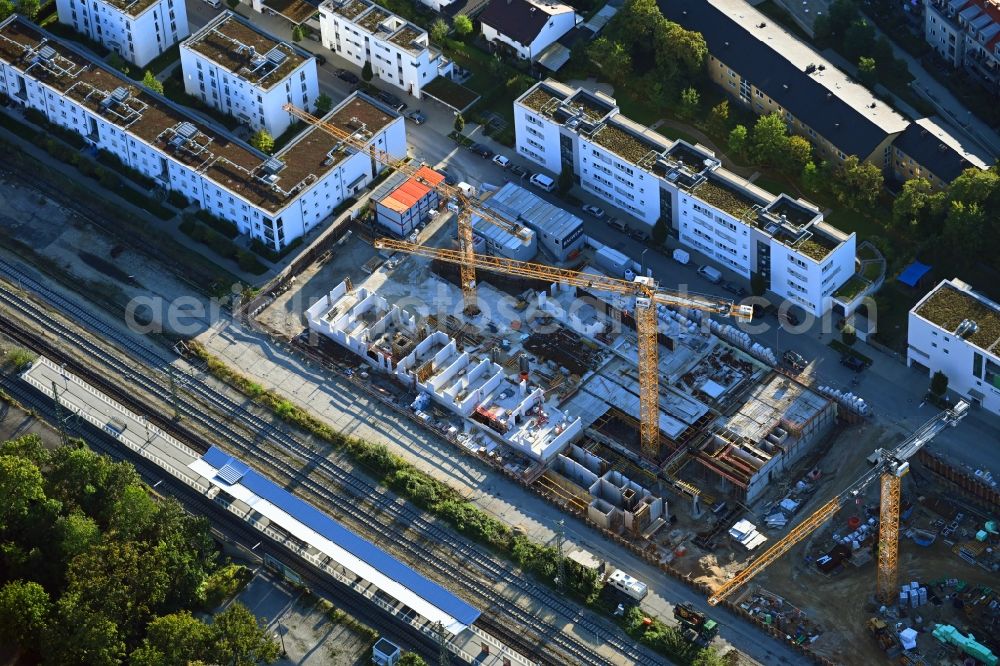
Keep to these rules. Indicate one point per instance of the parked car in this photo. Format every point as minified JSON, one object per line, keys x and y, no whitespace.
{"x":391,"y":100}
{"x":417,"y":117}
{"x":852,"y":362}
{"x":788,"y":317}
{"x":618,"y":225}
{"x":543,"y":182}
{"x":449,"y":178}
{"x":734,"y":289}
{"x":349,"y":77}
{"x":595,"y":212}
{"x":482,"y":150}
{"x":501,"y":161}
{"x":794,"y":360}
{"x":639,"y":235}
{"x":711,"y":274}
{"x":520,"y":172}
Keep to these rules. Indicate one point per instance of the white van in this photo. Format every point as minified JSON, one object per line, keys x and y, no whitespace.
{"x":215,"y":4}
{"x":543,"y":182}
{"x":711,"y":274}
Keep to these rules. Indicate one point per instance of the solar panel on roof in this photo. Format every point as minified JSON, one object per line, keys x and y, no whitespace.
{"x":231,"y":474}
{"x":47,"y":52}
{"x":187,"y":130}
{"x":119,"y":94}
{"x":273,"y":165}
{"x":276,"y":56}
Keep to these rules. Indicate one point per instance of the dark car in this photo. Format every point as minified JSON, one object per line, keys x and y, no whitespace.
{"x":349,"y":77}
{"x":852,"y":362}
{"x":449,"y":177}
{"x":794,"y":360}
{"x":789,"y":317}
{"x":320,"y":58}
{"x":482,"y":150}
{"x":391,"y":100}
{"x":734,"y":289}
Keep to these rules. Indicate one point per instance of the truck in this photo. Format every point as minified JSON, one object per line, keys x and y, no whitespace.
{"x":695,"y":625}
{"x":681,"y":257}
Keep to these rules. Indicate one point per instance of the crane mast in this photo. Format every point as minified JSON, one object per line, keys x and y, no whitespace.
{"x":647,"y":295}
{"x":890,"y":469}
{"x":466,"y":206}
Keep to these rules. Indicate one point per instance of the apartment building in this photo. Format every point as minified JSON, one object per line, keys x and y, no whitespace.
{"x":955,"y":330}
{"x":767,"y":69}
{"x":966,"y":33}
{"x":526,"y":27}
{"x":926,"y":150}
{"x":399,"y":52}
{"x":740,"y":226}
{"x":274,"y":199}
{"x":137,"y":30}
{"x":235,"y":67}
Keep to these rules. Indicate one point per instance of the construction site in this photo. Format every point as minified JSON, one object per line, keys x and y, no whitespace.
{"x":545,"y":383}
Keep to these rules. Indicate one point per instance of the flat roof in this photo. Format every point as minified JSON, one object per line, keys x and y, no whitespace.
{"x":400,"y":193}
{"x":840,"y":110}
{"x":235,"y":44}
{"x":936,"y":150}
{"x":131,"y":7}
{"x":952,"y":302}
{"x":315,"y":528}
{"x":516,"y":203}
{"x":159,"y":122}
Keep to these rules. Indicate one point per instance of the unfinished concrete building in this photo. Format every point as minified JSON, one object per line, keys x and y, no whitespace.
{"x":431,"y":363}
{"x":776,"y":425}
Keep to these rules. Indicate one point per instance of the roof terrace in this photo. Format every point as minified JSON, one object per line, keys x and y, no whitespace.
{"x":788,"y":211}
{"x":949,"y":305}
{"x":727,"y":198}
{"x":372,"y":18}
{"x":541,"y":99}
{"x":623,"y":143}
{"x":240,"y":48}
{"x":350,"y":9}
{"x":131,"y":7}
{"x":405,"y":37}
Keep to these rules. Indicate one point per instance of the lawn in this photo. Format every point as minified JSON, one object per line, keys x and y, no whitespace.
{"x":893,"y":303}
{"x":865,"y":223}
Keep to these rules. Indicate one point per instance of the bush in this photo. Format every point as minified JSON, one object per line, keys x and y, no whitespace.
{"x":188,"y":225}
{"x":177,"y":200}
{"x":224,"y":227}
{"x":250,"y":263}
{"x":19,"y":358}
{"x":939,"y":384}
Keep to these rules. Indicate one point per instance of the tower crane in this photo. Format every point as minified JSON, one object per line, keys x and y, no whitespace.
{"x":647,"y":296}
{"x":891,"y":467}
{"x":466,"y":207}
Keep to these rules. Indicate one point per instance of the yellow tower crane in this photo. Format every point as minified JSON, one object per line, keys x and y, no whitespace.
{"x":891,"y":467}
{"x":466,"y":207}
{"x":647,"y":296}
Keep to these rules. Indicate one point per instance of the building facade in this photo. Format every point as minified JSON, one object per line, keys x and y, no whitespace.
{"x":966,"y":33}
{"x":137,"y":30}
{"x":925,"y":150}
{"x":526,"y":27}
{"x":559,"y":232}
{"x":955,"y":330}
{"x":399,"y":52}
{"x":236,"y":68}
{"x":274,"y":199}
{"x":740,"y":226}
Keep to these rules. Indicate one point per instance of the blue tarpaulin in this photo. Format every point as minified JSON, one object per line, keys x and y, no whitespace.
{"x":913,"y":273}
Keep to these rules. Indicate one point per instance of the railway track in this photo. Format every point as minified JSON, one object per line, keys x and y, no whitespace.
{"x":547,"y":641}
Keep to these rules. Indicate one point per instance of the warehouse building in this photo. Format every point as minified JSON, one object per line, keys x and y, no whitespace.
{"x":559,"y":232}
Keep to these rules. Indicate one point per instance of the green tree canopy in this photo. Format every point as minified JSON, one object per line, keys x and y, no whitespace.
{"x":796,"y":154}
{"x":324,"y":103}
{"x":78,"y":635}
{"x":856,"y":183}
{"x":150,"y":81}
{"x":738,"y":140}
{"x":21,"y":487}
{"x":459,"y":124}
{"x":24,"y":612}
{"x":718,"y":118}
{"x":439,"y":30}
{"x":866,"y":70}
{"x":174,"y":640}
{"x":29,"y":8}
{"x":6,"y":9}
{"x":29,"y":447}
{"x":77,"y":533}
{"x":770,"y":137}
{"x":689,"y":102}
{"x":462,"y":25}
{"x":237,"y":640}
{"x":298,"y":33}
{"x":611,"y":57}
{"x":366,"y":72}
{"x":262,"y":141}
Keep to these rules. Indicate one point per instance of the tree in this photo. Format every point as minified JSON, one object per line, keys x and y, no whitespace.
{"x":859,"y":40}
{"x":718,"y":118}
{"x":133,"y":513}
{"x":411,"y":659}
{"x":77,"y":534}
{"x":770,"y":136}
{"x":857,"y":184}
{"x":174,"y":640}
{"x":323,"y":104}
{"x":689,"y":103}
{"x":848,"y":335}
{"x":459,"y":123}
{"x":462,"y":25}
{"x":796,"y":155}
{"x":738,"y":139}
{"x":262,"y":141}
{"x":439,"y":30}
{"x":566,"y":178}
{"x":660,"y":230}
{"x":366,"y":72}
{"x":150,"y":81}
{"x":236,"y":639}
{"x":6,"y":9}
{"x":24,"y":613}
{"x":29,"y":8}
{"x":918,"y":207}
{"x":812,"y":177}
{"x":939,"y":384}
{"x":866,"y":71}
{"x":611,"y":57}
{"x":80,"y":636}
{"x":21,"y":487}
{"x":29,"y":447}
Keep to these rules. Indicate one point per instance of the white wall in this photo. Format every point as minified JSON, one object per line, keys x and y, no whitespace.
{"x":537,"y":138}
{"x":624,"y":185}
{"x":554,"y":28}
{"x":137,"y":39}
{"x":716,"y":234}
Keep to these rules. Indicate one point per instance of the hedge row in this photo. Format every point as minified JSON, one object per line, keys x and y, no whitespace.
{"x":221,"y":245}
{"x":224,"y":227}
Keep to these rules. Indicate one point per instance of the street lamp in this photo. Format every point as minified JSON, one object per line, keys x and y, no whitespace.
{"x":642,"y":261}
{"x":280,"y":634}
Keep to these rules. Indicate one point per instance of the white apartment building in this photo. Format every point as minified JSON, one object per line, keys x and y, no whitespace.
{"x":137,"y":30}
{"x":400,"y":52}
{"x":274,"y":199}
{"x":966,"y":33}
{"x":956,"y":330}
{"x":527,"y":27}
{"x":238,"y":69}
{"x":740,"y":226}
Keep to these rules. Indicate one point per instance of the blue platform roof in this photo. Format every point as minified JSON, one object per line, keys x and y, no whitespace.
{"x":330,"y":529}
{"x":913,"y":273}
